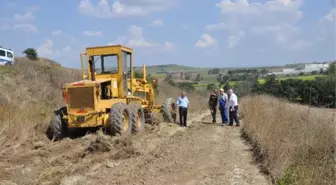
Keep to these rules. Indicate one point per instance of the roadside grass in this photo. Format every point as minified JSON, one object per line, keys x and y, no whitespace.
{"x":295,"y":144}
{"x":29,"y":92}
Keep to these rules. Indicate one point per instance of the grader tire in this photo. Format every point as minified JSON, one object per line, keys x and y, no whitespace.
{"x":138,"y":118}
{"x":57,"y":128}
{"x":120,"y":119}
{"x":168,"y":107}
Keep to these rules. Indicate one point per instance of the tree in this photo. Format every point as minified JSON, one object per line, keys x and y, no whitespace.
{"x":187,"y":76}
{"x":168,"y":77}
{"x":211,"y":86}
{"x":219,"y":77}
{"x":31,"y":53}
{"x":321,"y":71}
{"x":198,"y":77}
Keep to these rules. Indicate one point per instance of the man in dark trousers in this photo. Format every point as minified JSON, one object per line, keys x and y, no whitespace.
{"x":183,"y":104}
{"x":223,"y":98}
{"x":213,"y":102}
{"x":233,"y":108}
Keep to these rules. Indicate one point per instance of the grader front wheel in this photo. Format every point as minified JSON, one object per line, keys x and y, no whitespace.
{"x":120,"y":119}
{"x":57,"y":128}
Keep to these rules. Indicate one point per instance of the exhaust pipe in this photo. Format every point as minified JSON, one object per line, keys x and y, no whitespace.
{"x":93,"y":76}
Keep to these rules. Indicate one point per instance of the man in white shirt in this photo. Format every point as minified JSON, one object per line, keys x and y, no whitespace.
{"x":233,"y":108}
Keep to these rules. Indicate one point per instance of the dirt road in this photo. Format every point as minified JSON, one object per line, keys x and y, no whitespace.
{"x":201,"y":154}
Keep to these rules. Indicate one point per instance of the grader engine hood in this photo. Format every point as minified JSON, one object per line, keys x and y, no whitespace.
{"x":81,"y":96}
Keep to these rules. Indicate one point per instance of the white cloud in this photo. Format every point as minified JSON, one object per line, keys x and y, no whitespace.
{"x":21,"y":22}
{"x":119,"y":41}
{"x":234,"y":40}
{"x":92,"y":33}
{"x":27,"y":17}
{"x":276,"y":17}
{"x":206,"y":41}
{"x":57,"y":32}
{"x":25,"y":27}
{"x":157,"y":23}
{"x":123,"y":8}
{"x":47,"y":49}
{"x":5,"y":27}
{"x":330,"y":17}
{"x":286,"y":35}
{"x":62,"y":33}
{"x":136,"y":39}
{"x":219,"y":26}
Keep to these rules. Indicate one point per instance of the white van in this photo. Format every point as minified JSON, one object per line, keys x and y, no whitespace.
{"x":6,"y":57}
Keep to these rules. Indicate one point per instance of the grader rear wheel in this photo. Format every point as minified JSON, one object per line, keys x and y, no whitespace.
{"x":138,"y":118}
{"x":120,"y":119}
{"x":169,"y":110}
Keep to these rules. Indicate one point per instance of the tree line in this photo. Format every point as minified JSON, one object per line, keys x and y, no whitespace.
{"x":319,"y":92}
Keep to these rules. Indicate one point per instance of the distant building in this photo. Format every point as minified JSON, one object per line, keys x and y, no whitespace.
{"x":292,"y":69}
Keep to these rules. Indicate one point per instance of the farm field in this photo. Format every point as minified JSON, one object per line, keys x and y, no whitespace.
{"x":204,"y":83}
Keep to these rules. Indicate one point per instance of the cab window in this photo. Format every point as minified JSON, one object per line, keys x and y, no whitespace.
{"x":105,"y":64}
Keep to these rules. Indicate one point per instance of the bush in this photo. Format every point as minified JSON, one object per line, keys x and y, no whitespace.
{"x":31,"y":53}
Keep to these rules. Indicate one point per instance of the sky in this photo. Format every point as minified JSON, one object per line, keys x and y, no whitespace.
{"x":203,"y":33}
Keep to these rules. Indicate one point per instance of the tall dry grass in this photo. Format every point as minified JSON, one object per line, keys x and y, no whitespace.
{"x":294,"y":143}
{"x":29,"y":92}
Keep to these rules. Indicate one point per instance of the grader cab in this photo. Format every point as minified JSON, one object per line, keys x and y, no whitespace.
{"x":108,"y":96}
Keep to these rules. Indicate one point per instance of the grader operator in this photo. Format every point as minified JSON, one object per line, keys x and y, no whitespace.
{"x":108,"y":96}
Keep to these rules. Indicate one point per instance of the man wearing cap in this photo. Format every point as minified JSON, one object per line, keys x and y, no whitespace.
{"x":222,"y":106}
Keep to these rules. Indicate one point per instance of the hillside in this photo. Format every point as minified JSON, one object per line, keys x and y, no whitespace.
{"x":29,"y":92}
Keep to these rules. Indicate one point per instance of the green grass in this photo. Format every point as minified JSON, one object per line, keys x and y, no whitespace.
{"x":172,"y":68}
{"x":306,"y":77}
{"x":212,"y":79}
{"x":232,"y":83}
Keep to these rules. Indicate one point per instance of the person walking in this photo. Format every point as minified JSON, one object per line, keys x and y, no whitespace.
{"x":222,"y":106}
{"x":213,"y":102}
{"x":183,"y":103}
{"x":233,"y":108}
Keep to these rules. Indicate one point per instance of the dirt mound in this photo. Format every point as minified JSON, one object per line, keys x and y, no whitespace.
{"x":124,"y":148}
{"x":97,"y":145}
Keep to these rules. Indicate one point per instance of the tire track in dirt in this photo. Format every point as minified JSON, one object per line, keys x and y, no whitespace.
{"x":201,"y":154}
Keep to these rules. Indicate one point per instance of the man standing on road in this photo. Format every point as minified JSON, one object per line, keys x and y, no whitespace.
{"x":222,"y":106}
{"x":183,"y":104}
{"x":233,"y":108}
{"x":213,"y":101}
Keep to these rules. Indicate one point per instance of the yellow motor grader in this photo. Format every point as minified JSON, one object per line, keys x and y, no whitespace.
{"x":108,"y":96}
